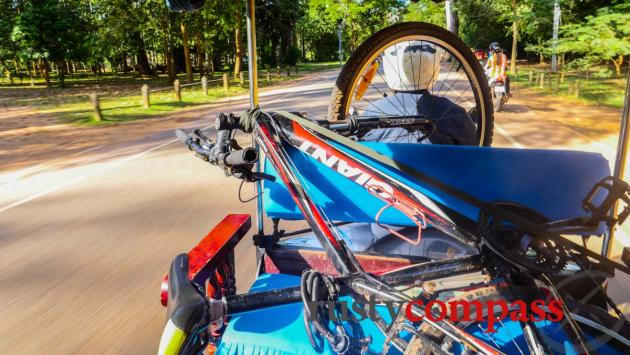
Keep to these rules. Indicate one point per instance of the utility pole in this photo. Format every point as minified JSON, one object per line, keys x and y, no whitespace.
{"x":339,"y":36}
{"x":452,"y":19}
{"x":514,"y":38}
{"x":556,"y":24}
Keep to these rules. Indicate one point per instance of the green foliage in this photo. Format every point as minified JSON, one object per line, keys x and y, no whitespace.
{"x":123,"y":34}
{"x":484,"y":21}
{"x":601,"y":37}
{"x":426,"y":11}
{"x":359,"y":18}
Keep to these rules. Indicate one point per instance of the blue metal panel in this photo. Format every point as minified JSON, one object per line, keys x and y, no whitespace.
{"x":553,"y":182}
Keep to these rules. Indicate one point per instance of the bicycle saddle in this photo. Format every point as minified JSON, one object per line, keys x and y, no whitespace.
{"x":186,"y":305}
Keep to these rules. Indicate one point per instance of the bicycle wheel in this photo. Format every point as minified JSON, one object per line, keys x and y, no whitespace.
{"x":416,"y":70}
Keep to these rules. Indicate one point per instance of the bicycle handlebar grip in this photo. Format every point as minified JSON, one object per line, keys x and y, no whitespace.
{"x":245,"y":156}
{"x":182,"y":136}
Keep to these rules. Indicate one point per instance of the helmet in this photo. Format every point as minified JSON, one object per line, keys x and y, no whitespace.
{"x":495,"y":47}
{"x":410,"y":66}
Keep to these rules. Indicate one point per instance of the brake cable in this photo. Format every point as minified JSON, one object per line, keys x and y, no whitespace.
{"x":574,"y":326}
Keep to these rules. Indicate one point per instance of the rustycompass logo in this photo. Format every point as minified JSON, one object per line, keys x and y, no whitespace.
{"x":492,"y":312}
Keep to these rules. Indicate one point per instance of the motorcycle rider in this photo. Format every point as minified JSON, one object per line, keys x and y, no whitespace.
{"x":496,"y":66}
{"x":410,"y":71}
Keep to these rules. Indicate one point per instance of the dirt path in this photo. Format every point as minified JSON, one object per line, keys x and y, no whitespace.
{"x":533,"y":120}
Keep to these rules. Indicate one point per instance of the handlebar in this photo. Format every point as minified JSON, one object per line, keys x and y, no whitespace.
{"x":235,"y":159}
{"x":238,"y":162}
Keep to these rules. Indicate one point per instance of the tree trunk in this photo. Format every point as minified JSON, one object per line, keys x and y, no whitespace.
{"x":199,"y":50}
{"x":618,"y":62}
{"x":61,"y":72}
{"x":124,"y":63}
{"x":43,"y":67}
{"x":514,"y":38}
{"x":32,"y":73}
{"x":141,"y":54}
{"x":238,"y":37}
{"x":274,"y":50}
{"x":285,"y":42}
{"x":189,"y":74}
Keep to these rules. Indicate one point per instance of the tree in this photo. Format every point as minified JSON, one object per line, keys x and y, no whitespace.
{"x":360,"y":19}
{"x":426,"y":11}
{"x":602,"y":37}
{"x":50,"y":31}
{"x":238,"y":39}
{"x":186,"y":43}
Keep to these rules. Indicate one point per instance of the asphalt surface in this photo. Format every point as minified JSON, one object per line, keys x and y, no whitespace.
{"x":83,"y":248}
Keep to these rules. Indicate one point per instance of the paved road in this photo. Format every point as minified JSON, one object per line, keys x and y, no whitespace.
{"x":84,"y":246}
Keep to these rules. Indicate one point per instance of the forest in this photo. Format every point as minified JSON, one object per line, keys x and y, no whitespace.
{"x":41,"y":37}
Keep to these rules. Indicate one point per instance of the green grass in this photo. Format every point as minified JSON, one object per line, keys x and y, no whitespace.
{"x":309,"y":67}
{"x":129,"y":108}
{"x":606,"y":89}
{"x":120,"y":97}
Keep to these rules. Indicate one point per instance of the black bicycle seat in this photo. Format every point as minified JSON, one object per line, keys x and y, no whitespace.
{"x":186,"y":306}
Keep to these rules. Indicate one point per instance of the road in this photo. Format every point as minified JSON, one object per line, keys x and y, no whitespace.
{"x":86,"y":239}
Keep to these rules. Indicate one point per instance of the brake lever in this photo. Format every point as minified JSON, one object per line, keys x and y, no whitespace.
{"x":251,"y":176}
{"x":207,"y":142}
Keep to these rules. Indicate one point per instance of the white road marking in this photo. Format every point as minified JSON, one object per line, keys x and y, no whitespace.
{"x":78,"y":178}
{"x":106,"y":167}
{"x":20,"y":173}
{"x":507,"y":136}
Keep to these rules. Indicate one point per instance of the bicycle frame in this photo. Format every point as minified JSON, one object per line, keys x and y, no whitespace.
{"x":272,"y":134}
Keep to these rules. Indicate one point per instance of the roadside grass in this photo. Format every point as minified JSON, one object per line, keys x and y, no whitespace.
{"x":120,"y":97}
{"x":601,"y":87}
{"x":129,"y":108}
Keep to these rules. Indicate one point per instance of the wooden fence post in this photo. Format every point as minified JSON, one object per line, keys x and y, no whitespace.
{"x":145,"y":96}
{"x":178,"y":90}
{"x":279,"y":73}
{"x":241,"y":79}
{"x":268,"y":76}
{"x":587,"y":75}
{"x":531,"y":76}
{"x":226,"y":83}
{"x":577,"y":89}
{"x":97,"y":107}
{"x":541,"y":84}
{"x":562,"y":77}
{"x":204,"y":85}
{"x":557,"y":89}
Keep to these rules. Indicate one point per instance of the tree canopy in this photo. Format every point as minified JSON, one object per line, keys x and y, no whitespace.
{"x":141,"y":36}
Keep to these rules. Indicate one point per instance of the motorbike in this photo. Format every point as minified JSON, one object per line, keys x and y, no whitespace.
{"x":404,"y":243}
{"x":499,"y":94}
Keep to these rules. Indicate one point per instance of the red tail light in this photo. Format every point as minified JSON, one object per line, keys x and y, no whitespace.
{"x":211,"y":251}
{"x":164,"y":291}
